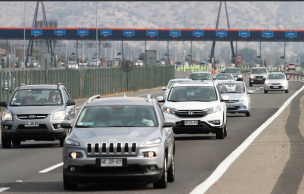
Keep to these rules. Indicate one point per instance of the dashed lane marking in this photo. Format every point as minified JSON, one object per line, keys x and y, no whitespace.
{"x":51,"y":168}
{"x":4,"y":189}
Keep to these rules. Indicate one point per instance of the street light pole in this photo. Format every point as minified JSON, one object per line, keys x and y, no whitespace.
{"x":24,"y":40}
{"x":97,"y":54}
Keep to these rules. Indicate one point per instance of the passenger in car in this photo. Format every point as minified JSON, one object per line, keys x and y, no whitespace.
{"x":140,"y":120}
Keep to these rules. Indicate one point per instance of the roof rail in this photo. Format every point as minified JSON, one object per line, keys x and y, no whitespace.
{"x":59,"y":84}
{"x":92,"y":98}
{"x":149,"y":98}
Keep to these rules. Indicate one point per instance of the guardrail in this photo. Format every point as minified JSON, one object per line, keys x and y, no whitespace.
{"x":85,"y":83}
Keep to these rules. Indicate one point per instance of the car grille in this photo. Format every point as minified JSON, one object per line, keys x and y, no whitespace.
{"x":32,"y":116}
{"x":111,"y":149}
{"x":275,"y":84}
{"x":235,"y":108}
{"x":191,"y":113}
{"x":259,"y":77}
{"x":278,"y":87}
{"x":41,"y":126}
{"x":232,"y":101}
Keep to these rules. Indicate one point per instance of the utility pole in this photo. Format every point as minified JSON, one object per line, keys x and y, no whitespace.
{"x":97,"y":56}
{"x":24,"y":40}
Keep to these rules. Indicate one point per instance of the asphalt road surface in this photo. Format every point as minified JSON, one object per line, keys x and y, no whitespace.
{"x":197,"y":156}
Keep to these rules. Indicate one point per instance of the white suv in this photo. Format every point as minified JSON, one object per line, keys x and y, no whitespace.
{"x":196,"y":108}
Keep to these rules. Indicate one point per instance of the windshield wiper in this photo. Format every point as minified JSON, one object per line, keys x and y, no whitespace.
{"x":83,"y":126}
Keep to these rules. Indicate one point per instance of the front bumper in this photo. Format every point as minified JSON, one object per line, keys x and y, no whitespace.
{"x":257,"y":80}
{"x":239,"y":107}
{"x":281,"y":87}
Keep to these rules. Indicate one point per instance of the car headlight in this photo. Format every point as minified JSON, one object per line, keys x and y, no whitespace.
{"x":6,"y":116}
{"x":284,"y":82}
{"x":251,"y":76}
{"x":244,"y":99}
{"x":267,"y":82}
{"x":69,"y":66}
{"x":168,"y":110}
{"x":214,"y":109}
{"x":153,"y":141}
{"x":72,"y":142}
{"x":240,"y":76}
{"x":59,"y":115}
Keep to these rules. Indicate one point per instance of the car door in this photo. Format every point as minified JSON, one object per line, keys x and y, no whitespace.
{"x":71,"y":110}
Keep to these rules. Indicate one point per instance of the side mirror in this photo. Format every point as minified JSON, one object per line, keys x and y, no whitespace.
{"x":160,"y":99}
{"x":164,"y":88}
{"x":225,"y":98}
{"x":3,"y":104}
{"x":66,"y":124}
{"x":249,"y":92}
{"x":70,"y":103}
{"x":169,"y":124}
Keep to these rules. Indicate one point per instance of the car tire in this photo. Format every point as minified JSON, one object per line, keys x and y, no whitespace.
{"x":162,"y":184}
{"x":171,"y":171}
{"x":69,"y":186}
{"x":250,"y":83}
{"x":221,"y":134}
{"x":6,"y":143}
{"x":248,"y":114}
{"x":16,"y":142}
{"x":225,"y":131}
{"x":265,"y":91}
{"x":62,"y":141}
{"x":286,"y":91}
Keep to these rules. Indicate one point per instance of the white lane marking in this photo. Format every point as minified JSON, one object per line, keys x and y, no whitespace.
{"x":4,"y":188}
{"x":224,"y":165}
{"x":51,"y":168}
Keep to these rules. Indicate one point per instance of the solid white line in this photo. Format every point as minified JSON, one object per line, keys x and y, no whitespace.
{"x":224,"y":165}
{"x":4,"y":188}
{"x":51,"y":168}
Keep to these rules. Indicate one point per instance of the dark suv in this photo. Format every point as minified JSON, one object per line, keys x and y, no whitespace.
{"x":235,"y":72}
{"x":35,"y":112}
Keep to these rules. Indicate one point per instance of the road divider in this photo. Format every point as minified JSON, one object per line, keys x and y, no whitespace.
{"x":224,"y":165}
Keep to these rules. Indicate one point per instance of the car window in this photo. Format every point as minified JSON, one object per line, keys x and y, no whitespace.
{"x":258,"y":71}
{"x":117,"y":116}
{"x":223,"y":77}
{"x":231,"y":88}
{"x":192,"y":93}
{"x":200,"y":76}
{"x":232,"y":71}
{"x":36,"y":97}
{"x":276,"y":76}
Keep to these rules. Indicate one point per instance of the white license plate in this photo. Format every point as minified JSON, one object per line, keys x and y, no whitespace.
{"x":111,"y":162}
{"x":31,"y":124}
{"x":260,"y":79}
{"x":191,"y":122}
{"x":230,"y":106}
{"x":275,"y":87}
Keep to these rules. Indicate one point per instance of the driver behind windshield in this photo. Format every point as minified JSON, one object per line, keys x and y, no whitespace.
{"x":239,"y":89}
{"x":140,"y":118}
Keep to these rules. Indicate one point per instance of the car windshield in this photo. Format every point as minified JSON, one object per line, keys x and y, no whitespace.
{"x":223,"y":77}
{"x":178,"y":63}
{"x":276,"y":76}
{"x":257,"y":71}
{"x":192,"y":93}
{"x":232,"y":71}
{"x":231,"y":88}
{"x":170,"y":84}
{"x":117,"y":116}
{"x":200,"y":76}
{"x":36,"y":97}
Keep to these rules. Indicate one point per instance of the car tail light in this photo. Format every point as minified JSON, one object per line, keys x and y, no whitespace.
{"x":288,"y":65}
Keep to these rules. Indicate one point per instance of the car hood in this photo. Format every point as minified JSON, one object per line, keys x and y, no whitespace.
{"x":264,"y":74}
{"x":198,"y":80}
{"x":190,"y":105}
{"x":234,"y":74}
{"x":16,"y":110}
{"x":234,"y":96}
{"x":120,"y":135}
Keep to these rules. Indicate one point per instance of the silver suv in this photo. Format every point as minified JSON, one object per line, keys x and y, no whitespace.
{"x":34,"y":112}
{"x":258,"y":75}
{"x":120,"y":138}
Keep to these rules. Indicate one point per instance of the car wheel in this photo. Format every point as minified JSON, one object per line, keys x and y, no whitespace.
{"x":16,"y":142}
{"x":62,"y":141}
{"x":163,"y":181}
{"x":6,"y":143}
{"x":225,"y":130}
{"x":250,"y":83}
{"x":221,"y":134}
{"x":265,"y":91}
{"x":286,"y":91}
{"x":69,"y":186}
{"x":248,"y":114}
{"x":171,"y":171}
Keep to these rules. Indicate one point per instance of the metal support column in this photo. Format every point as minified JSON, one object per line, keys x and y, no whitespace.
{"x":122,"y":53}
{"x":191,"y":54}
{"x":261,"y":52}
{"x":145,"y":53}
{"x":284,"y":52}
{"x":168,"y":52}
{"x":66,"y":52}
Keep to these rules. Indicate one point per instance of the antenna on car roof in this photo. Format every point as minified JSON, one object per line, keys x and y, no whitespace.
{"x":125,"y":95}
{"x":149,"y":97}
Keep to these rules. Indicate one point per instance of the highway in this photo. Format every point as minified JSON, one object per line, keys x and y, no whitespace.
{"x":197,"y":156}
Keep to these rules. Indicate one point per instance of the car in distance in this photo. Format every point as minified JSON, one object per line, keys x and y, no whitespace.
{"x":276,"y":81}
{"x":72,"y":65}
{"x":223,"y":77}
{"x":291,"y":66}
{"x":34,"y":112}
{"x":235,"y":72}
{"x":258,"y":75}
{"x":120,"y":138}
{"x":196,"y":108}
{"x":171,"y":82}
{"x":139,"y":63}
{"x":239,"y":98}
{"x":201,"y":76}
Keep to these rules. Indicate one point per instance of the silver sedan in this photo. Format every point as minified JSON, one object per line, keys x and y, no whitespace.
{"x":276,"y":81}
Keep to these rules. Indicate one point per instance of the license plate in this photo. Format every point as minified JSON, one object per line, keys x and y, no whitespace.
{"x":275,"y":87}
{"x":260,"y":79}
{"x":31,"y":124}
{"x":111,"y":162}
{"x":230,"y":106}
{"x":191,"y":122}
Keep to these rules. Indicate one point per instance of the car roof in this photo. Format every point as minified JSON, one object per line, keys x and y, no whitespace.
{"x":121,"y":101}
{"x":223,"y":74}
{"x":193,"y":84}
{"x":259,"y":68}
{"x":232,"y":68}
{"x":276,"y":73}
{"x":180,"y":79}
{"x":231,"y":82}
{"x":200,"y":72}
{"x":40,"y":86}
